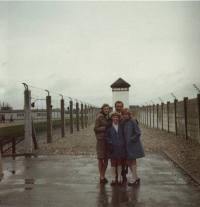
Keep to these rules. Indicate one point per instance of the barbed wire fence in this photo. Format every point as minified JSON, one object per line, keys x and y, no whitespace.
{"x":188,"y":91}
{"x":47,"y":111}
{"x":179,"y":114}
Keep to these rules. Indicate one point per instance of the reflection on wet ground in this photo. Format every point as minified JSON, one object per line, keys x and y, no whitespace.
{"x":74,"y":181}
{"x":118,"y":195}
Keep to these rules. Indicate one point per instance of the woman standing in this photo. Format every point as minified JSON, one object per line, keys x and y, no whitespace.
{"x":114,"y":136}
{"x":102,"y":122}
{"x":133,"y":145}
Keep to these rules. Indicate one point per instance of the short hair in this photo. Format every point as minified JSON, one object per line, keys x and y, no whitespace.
{"x":115,"y":113}
{"x":120,"y":102}
{"x":104,"y":105}
{"x":126,"y":111}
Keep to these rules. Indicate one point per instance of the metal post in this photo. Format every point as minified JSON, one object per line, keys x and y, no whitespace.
{"x":28,"y":125}
{"x":71,"y":116}
{"x":77,"y":116}
{"x":185,"y":115}
{"x":49,"y":119}
{"x":62,"y":105}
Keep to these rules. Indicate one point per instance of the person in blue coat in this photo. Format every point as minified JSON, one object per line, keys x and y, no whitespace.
{"x":114,"y":135}
{"x":133,"y":145}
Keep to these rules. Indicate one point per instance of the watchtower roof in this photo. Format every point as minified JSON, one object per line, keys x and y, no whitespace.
{"x":120,"y":83}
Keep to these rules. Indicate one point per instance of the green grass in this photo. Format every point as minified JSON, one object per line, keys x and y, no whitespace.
{"x":6,"y":133}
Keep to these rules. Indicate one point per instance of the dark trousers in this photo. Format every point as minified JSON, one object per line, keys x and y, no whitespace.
{"x":124,"y":168}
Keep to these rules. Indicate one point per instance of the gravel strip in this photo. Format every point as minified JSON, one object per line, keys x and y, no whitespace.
{"x":185,"y":152}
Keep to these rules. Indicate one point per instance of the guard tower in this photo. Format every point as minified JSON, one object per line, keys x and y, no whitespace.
{"x":120,"y":92}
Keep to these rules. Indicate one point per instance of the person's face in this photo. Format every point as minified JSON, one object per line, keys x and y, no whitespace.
{"x":119,"y":107}
{"x":125,"y":116}
{"x":105,"y":110}
{"x":115,"y":119}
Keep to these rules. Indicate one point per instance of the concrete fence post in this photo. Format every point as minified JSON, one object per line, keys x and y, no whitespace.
{"x":82,"y":123}
{"x":175,"y":116}
{"x":85,"y":115}
{"x":71,"y":117}
{"x":97,"y":112}
{"x":49,"y":119}
{"x":28,"y":125}
{"x":150,"y":115}
{"x":198,"y":111}
{"x":92,"y":114}
{"x":88,"y":115}
{"x":62,"y":105}
{"x":157,"y":114}
{"x":185,"y":116}
{"x":143,"y":114}
{"x":153,"y":114}
{"x":168,"y":116}
{"x":77,"y":116}
{"x":147,"y":115}
{"x":162,"y":104}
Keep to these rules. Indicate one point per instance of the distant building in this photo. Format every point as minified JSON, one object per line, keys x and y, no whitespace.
{"x":36,"y":114}
{"x":6,"y":108}
{"x":120,"y":92}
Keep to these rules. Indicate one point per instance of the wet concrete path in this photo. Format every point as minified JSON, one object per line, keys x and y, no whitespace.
{"x":73,"y":181}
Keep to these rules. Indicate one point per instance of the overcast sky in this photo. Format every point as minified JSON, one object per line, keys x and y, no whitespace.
{"x":79,"y":49}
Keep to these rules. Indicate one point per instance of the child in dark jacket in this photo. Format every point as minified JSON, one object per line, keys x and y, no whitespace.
{"x":114,"y":136}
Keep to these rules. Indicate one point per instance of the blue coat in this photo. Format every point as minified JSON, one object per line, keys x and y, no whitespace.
{"x":133,"y":143}
{"x":117,"y":139}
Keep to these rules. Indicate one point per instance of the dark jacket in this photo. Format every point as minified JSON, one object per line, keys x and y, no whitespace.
{"x":117,"y":139}
{"x":133,"y":143}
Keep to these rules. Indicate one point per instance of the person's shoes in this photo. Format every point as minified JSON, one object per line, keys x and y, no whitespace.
{"x":137,"y":182}
{"x":120,"y":182}
{"x":131,"y":183}
{"x":104,"y":180}
{"x":124,"y":178}
{"x":113,"y":183}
